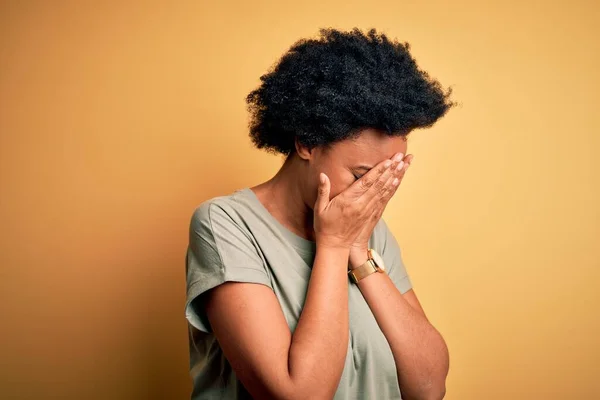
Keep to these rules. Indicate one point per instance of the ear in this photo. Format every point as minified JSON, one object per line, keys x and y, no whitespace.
{"x":303,"y":152}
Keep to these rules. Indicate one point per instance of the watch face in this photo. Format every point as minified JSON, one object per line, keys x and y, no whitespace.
{"x":378,"y":260}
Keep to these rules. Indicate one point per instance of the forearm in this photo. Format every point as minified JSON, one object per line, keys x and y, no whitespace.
{"x":419,"y":350}
{"x":320,"y":341}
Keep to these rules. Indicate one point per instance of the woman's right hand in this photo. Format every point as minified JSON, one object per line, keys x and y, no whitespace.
{"x":337,"y":222}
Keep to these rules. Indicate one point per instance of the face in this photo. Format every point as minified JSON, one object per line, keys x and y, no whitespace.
{"x":346,"y":161}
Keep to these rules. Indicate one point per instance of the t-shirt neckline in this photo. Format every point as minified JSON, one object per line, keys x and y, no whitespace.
{"x":298,"y":241}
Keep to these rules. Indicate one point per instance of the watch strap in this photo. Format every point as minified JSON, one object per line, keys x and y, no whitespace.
{"x":363,"y":271}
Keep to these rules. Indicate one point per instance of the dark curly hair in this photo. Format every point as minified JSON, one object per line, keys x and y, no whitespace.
{"x":326,"y":90}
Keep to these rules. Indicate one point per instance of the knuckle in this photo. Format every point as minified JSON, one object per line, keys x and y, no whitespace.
{"x":359,"y":204}
{"x":365,"y":184}
{"x":343,"y":205}
{"x":348,"y":211}
{"x":390,"y":190}
{"x":384,"y":189}
{"x":359,"y":207}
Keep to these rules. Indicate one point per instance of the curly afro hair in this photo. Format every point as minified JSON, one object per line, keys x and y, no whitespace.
{"x":329,"y":89}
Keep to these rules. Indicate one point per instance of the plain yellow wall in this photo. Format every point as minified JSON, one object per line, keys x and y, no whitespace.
{"x":117,"y":119}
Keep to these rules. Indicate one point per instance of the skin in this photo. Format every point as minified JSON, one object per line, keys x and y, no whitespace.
{"x":339,"y":214}
{"x":290,"y":195}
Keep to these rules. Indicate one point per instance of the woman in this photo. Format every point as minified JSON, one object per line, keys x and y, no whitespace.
{"x":296,"y":286}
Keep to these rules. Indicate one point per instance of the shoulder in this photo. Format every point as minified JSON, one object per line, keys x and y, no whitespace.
{"x":389,"y":247}
{"x":383,"y":236}
{"x":217,"y":211}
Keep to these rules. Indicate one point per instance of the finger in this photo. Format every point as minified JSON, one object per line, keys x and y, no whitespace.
{"x":399,"y":167}
{"x":394,"y":179}
{"x":401,"y":171}
{"x":323,"y":192}
{"x":395,"y":185}
{"x":402,"y":167}
{"x":378,"y":203}
{"x":394,"y":170}
{"x":390,"y":189}
{"x":378,"y":185}
{"x":382,"y":184}
{"x":362,"y":185}
{"x":379,"y":200}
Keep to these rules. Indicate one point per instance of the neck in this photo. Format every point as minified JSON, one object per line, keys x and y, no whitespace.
{"x":282,"y":196}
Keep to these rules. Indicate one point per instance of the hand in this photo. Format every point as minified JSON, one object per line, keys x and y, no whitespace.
{"x":339,"y":221}
{"x":358,"y":249}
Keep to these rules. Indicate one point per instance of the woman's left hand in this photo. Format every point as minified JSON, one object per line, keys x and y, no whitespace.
{"x":358,"y":251}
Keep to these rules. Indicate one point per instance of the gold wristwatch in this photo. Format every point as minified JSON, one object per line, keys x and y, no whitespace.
{"x":373,"y":264}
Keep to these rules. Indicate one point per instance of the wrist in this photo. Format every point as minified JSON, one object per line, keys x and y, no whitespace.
{"x":334,"y":249}
{"x":357,"y":257}
{"x":322,"y":244}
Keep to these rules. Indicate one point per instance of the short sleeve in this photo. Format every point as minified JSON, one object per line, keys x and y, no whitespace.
{"x":393,"y":259}
{"x":219,"y":250}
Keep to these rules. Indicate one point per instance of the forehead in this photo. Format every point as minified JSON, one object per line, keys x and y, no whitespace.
{"x":370,"y":147}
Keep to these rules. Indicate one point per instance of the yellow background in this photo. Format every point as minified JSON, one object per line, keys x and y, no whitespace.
{"x":117,"y":119}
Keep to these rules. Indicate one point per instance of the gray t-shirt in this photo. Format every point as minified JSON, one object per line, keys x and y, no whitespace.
{"x":235,"y":238}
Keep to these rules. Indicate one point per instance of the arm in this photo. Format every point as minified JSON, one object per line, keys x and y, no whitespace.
{"x":419,"y":350}
{"x":246,"y":318}
{"x":271,"y":362}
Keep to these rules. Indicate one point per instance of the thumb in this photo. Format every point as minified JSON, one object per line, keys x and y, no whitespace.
{"x":323,"y":192}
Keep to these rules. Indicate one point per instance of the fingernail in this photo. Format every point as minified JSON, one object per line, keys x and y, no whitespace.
{"x":395,"y":181}
{"x":398,"y":157}
{"x":387,"y":164}
{"x":400,"y":165}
